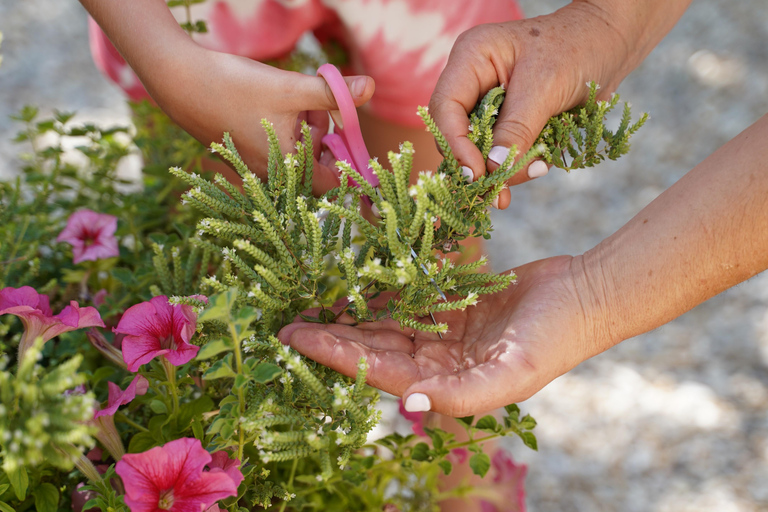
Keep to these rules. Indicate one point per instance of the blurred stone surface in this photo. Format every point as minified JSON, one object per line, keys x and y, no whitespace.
{"x":672,"y":421}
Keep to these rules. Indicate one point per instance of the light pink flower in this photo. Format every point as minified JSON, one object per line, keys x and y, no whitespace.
{"x":509,"y":482}
{"x":91,"y":235}
{"x":118,"y":397}
{"x":171,"y":477}
{"x":99,"y":298}
{"x":157,"y":328}
{"x":417,"y":418}
{"x":35,"y":313}
{"x":220,"y":461}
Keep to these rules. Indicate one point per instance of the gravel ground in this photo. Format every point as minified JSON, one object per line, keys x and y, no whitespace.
{"x":674,"y":420}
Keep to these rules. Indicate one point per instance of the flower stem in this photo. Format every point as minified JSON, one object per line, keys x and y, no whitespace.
{"x":240,"y":394}
{"x":124,"y":419}
{"x":170,"y":372}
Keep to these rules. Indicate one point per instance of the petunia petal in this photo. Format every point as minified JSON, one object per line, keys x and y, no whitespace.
{"x":118,"y":397}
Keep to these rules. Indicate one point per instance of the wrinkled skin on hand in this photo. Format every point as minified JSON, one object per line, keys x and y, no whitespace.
{"x":503,"y":350}
{"x":543,"y":62}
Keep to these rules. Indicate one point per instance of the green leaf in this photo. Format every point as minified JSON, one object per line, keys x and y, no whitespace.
{"x":214,"y":348}
{"x":141,"y":442}
{"x":466,"y":420}
{"x":480,"y":464}
{"x":487,"y":423}
{"x":20,"y":481}
{"x":222,"y":369}
{"x":240,"y":381}
{"x":310,"y":319}
{"x":530,"y":440}
{"x":3,"y":488}
{"x":446,"y":466}
{"x":4,"y":507}
{"x":194,"y":409}
{"x":527,"y":423}
{"x":512,"y":408}
{"x":197,"y":429}
{"x":101,"y":374}
{"x":124,"y":276}
{"x":46,"y":498}
{"x":158,"y":407}
{"x":265,"y":372}
{"x":219,"y":306}
{"x":420,"y":452}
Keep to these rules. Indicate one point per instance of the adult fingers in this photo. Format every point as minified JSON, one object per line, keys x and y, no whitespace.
{"x":482,"y":388}
{"x":523,"y":115}
{"x":388,"y":370}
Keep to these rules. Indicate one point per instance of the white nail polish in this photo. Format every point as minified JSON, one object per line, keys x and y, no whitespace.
{"x":375,"y":211}
{"x":498,"y":154}
{"x":495,"y":202}
{"x":469,"y":176}
{"x":417,"y":402}
{"x":537,"y":169}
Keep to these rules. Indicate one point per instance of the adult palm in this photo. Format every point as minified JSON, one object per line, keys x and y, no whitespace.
{"x":500,"y":351}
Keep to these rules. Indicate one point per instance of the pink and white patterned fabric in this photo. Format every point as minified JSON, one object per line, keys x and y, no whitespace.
{"x":402,"y":44}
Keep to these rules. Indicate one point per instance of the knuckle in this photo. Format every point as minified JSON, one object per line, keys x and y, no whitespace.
{"x":514,"y":131}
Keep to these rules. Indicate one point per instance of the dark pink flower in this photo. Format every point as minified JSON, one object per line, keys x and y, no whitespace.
{"x":171,"y":477}
{"x":157,"y":328}
{"x":509,"y":482}
{"x":106,"y":431}
{"x":35,"y":313}
{"x":118,"y":397}
{"x":220,"y":461}
{"x":91,"y":235}
{"x":416,"y":417}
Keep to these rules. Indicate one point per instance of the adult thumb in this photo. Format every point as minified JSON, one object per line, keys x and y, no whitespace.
{"x":522,"y":117}
{"x":313,"y":93}
{"x":479,"y":389}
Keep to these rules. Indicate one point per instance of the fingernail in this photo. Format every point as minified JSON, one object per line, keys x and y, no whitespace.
{"x":495,"y":202}
{"x":375,"y":211}
{"x":537,"y":169}
{"x":358,"y":86}
{"x":498,"y":154}
{"x":417,"y":402}
{"x":469,"y":176}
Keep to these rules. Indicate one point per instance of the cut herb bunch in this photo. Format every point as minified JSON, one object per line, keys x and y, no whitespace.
{"x":285,"y":248}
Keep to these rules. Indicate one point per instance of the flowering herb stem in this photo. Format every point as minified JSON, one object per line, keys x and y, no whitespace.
{"x":240,"y":394}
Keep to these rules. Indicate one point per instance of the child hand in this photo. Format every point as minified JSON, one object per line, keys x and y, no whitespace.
{"x":503,"y":350}
{"x":208,"y":93}
{"x":221,"y":92}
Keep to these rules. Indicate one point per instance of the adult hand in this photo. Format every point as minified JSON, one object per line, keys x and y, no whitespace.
{"x":545,"y":64}
{"x":503,"y":350}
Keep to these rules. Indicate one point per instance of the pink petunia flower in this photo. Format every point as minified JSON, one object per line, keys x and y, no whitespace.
{"x":118,"y":397}
{"x":104,"y":419}
{"x":91,"y":235}
{"x":417,"y":418}
{"x":220,"y":461}
{"x":157,"y":328}
{"x":509,"y":482}
{"x":34,"y":311}
{"x":171,"y":477}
